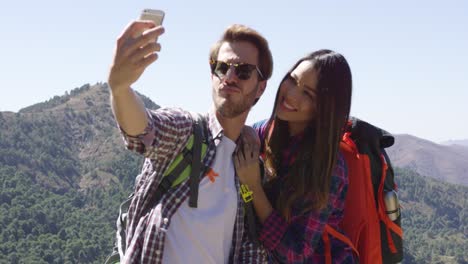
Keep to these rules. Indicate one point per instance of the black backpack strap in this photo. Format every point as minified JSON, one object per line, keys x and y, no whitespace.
{"x":389,"y":183}
{"x":168,"y":180}
{"x":251,"y":222}
{"x":194,"y":180}
{"x":189,"y":157}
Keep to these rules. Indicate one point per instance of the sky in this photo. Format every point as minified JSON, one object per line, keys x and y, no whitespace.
{"x":409,"y":59}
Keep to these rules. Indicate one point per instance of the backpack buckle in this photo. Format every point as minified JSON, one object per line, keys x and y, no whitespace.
{"x":246,"y":193}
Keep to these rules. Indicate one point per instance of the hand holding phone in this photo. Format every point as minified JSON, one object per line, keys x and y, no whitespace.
{"x":126,"y":69}
{"x":157,"y":16}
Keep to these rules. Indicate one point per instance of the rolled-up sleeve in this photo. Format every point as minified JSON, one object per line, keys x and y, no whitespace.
{"x":165,"y":134}
{"x":140,"y":143}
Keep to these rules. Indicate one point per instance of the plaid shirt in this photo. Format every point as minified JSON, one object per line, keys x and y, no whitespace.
{"x":164,"y":138}
{"x":300,"y":240}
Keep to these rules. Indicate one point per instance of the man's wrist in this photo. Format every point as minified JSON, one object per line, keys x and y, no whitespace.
{"x":119,"y":91}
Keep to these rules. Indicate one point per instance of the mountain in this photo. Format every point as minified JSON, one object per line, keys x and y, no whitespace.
{"x":462,"y":142}
{"x":72,"y":138}
{"x":433,"y":219}
{"x":446,"y":163}
{"x":64,"y":172}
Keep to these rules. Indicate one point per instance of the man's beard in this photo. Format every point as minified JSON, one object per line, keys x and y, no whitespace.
{"x":229,"y":109}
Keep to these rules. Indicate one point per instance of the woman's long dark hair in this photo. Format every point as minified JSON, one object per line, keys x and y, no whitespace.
{"x":309,"y":177}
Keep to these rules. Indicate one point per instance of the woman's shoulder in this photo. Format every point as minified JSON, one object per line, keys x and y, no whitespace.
{"x":262,"y":124}
{"x":260,"y":127}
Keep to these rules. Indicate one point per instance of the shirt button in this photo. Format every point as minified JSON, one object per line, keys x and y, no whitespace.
{"x":165,"y":221}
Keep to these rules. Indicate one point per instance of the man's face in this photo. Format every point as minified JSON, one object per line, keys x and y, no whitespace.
{"x":232,"y":95}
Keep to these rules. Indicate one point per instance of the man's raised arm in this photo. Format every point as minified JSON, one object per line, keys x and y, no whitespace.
{"x":133,"y":53}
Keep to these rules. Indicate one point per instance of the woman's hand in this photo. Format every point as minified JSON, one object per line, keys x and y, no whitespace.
{"x":246,"y":158}
{"x":248,"y":170}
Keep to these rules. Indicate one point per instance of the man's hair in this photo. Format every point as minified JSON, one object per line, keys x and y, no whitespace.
{"x":238,"y":32}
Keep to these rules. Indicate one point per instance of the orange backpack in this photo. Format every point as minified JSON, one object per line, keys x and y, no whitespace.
{"x":372,"y":190}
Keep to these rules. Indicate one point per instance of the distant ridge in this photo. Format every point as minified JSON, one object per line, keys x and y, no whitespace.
{"x":80,"y":97}
{"x":461,"y":142}
{"x":442,"y":162}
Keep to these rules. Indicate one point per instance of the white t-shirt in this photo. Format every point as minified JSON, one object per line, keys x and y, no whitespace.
{"x":204,"y":234}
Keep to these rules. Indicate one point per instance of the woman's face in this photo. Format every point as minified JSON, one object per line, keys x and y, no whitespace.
{"x":297,"y":97}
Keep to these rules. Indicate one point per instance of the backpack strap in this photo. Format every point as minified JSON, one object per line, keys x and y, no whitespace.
{"x":249,"y":212}
{"x":327,"y":245}
{"x":168,"y":181}
{"x":190,"y":157}
{"x":389,"y":224}
{"x":196,"y":161}
{"x":249,"y":215}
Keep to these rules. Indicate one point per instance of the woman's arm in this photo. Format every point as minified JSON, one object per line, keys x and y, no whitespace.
{"x":294,"y":241}
{"x":246,"y":162}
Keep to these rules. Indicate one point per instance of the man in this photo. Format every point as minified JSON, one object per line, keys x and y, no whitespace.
{"x":173,"y":232}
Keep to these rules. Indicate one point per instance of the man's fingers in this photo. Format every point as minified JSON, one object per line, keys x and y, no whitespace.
{"x":146,"y":61}
{"x":138,"y":34}
{"x":144,"y":51}
{"x":135,"y":28}
{"x":149,"y":36}
{"x":131,"y":30}
{"x":131,"y":45}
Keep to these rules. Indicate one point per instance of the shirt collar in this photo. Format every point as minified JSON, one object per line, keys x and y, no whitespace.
{"x":215,"y":127}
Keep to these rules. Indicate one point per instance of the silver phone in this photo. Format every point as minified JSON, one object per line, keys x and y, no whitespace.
{"x":157,"y":16}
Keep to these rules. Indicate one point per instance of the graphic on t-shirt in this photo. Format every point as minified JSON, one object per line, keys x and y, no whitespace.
{"x":211,"y":174}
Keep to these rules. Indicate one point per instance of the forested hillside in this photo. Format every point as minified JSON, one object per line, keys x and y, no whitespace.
{"x":435,"y":219}
{"x":64,"y":170}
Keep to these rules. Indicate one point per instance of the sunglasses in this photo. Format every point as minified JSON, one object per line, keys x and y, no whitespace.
{"x":243,"y":71}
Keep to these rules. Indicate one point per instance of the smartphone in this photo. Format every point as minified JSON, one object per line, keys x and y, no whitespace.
{"x":157,"y":16}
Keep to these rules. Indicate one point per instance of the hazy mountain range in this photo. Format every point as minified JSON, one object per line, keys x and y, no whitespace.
{"x":444,"y":162}
{"x":462,"y":142}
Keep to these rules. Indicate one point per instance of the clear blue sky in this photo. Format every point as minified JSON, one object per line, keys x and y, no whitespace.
{"x":409,"y":58}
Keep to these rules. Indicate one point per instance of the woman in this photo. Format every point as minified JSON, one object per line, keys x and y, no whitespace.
{"x":305,"y":175}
